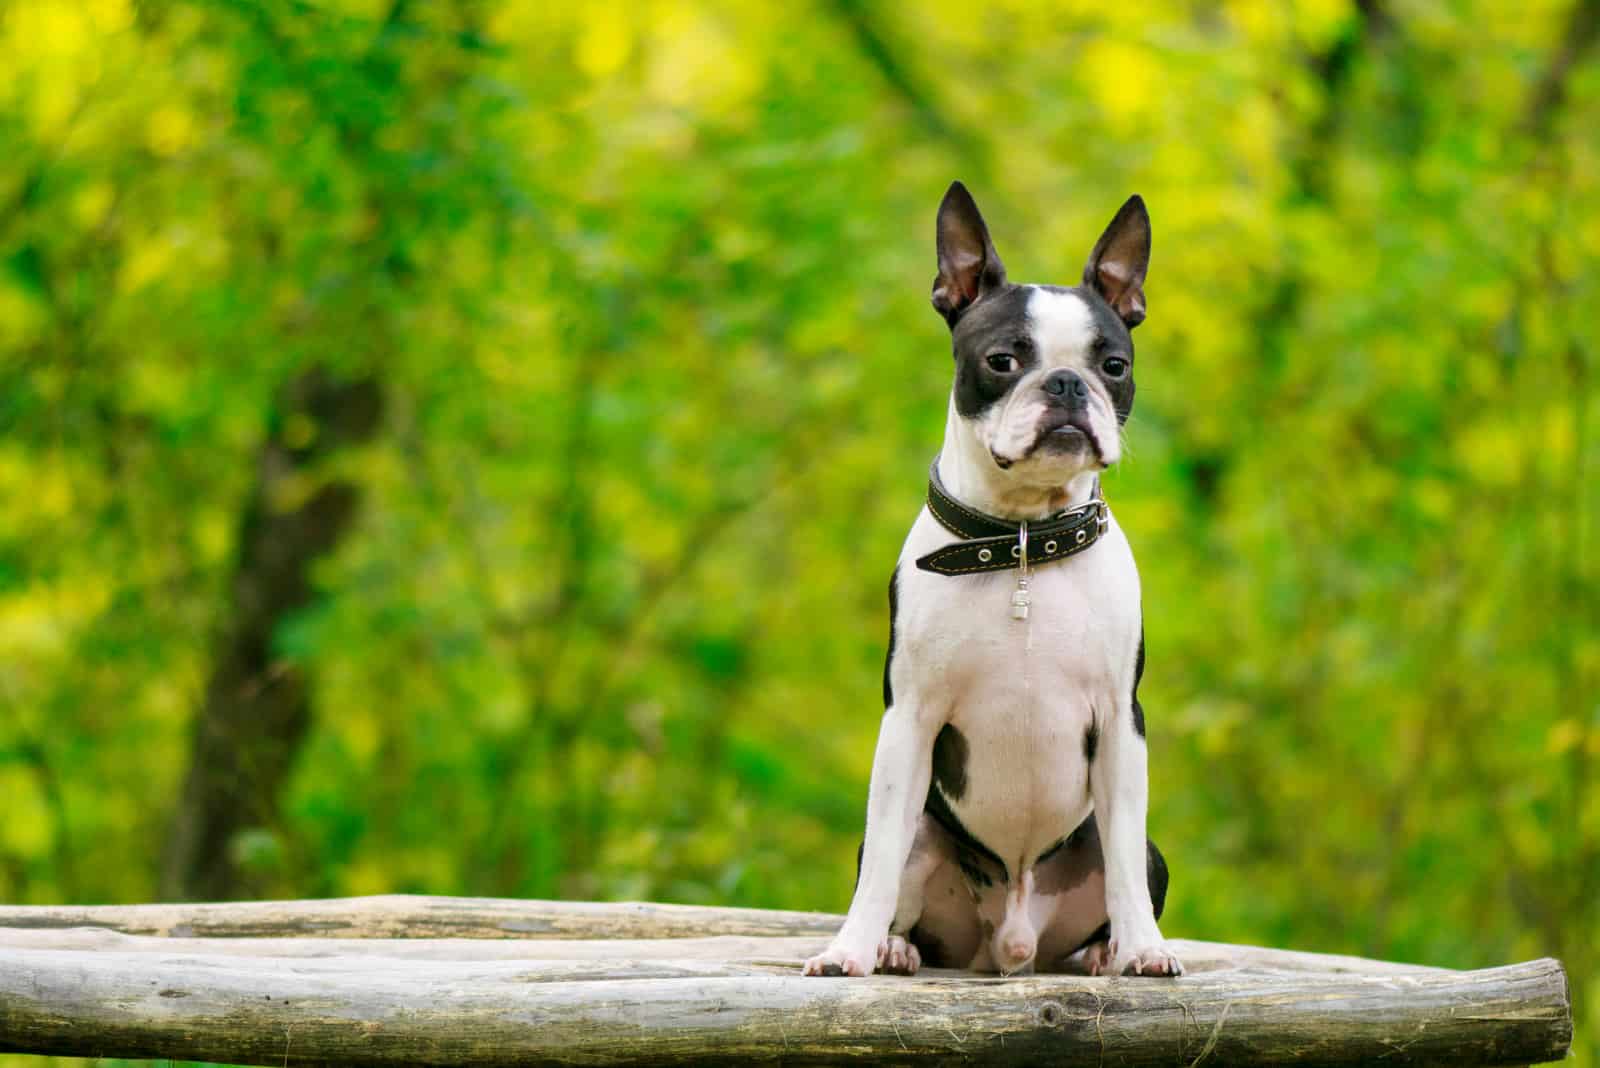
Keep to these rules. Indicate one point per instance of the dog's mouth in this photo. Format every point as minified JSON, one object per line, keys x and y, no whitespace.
{"x":1057,"y":438}
{"x":1067,"y":432}
{"x":1058,"y":432}
{"x":1055,"y":421}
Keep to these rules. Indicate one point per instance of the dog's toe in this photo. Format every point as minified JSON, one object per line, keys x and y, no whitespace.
{"x":1094,"y":959}
{"x":896,"y":956}
{"x":837,"y":962}
{"x":1152,"y":961}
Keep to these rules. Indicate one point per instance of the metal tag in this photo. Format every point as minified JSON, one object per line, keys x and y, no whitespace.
{"x":1021,"y":599}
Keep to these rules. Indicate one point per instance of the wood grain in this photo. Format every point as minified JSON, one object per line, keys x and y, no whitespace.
{"x":292,"y":982}
{"x":408,"y":916}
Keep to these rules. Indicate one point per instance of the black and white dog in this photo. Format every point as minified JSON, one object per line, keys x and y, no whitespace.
{"x":1006,"y":814}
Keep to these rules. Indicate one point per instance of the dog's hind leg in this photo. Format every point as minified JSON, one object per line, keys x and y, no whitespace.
{"x":939,"y":906}
{"x":898,"y":955}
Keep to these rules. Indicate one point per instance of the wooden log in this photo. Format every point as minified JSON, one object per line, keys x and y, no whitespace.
{"x":789,"y":950}
{"x":240,"y":1009}
{"x":745,"y":948}
{"x":563,"y":982}
{"x":407,"y":916}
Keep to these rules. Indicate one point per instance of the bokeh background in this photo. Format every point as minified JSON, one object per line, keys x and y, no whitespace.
{"x":460,"y":447}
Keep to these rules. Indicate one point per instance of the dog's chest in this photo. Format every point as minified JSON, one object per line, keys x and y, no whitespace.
{"x":1024,"y":697}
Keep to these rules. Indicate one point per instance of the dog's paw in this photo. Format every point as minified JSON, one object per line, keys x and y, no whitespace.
{"x":896,"y":956}
{"x":1096,"y":958}
{"x":1152,"y":959}
{"x":839,"y":960}
{"x":1092,"y":959}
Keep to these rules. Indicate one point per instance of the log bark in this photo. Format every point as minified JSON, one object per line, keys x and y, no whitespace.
{"x":505,"y":1012}
{"x":727,"y":948}
{"x":782,"y":949}
{"x":408,"y":916}
{"x":689,"y":985}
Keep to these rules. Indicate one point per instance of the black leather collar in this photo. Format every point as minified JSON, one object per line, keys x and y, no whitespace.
{"x":993,"y":544}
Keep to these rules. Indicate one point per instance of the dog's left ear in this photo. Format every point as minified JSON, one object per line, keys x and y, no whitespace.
{"x":1120,"y":258}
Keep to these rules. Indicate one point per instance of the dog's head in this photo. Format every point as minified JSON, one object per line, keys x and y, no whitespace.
{"x":1044,"y":374}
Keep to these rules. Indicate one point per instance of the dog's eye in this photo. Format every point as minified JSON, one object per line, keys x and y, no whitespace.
{"x":1002,"y":363}
{"x":1115,"y":367}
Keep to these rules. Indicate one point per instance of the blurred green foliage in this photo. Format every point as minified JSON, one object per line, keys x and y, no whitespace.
{"x":645,"y":288}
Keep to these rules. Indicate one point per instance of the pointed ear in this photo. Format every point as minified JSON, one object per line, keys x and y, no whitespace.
{"x":1120,"y":258}
{"x":969,"y":267}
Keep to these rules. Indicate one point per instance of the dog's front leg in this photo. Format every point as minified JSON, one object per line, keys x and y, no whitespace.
{"x":1120,"y":782}
{"x":899,"y":789}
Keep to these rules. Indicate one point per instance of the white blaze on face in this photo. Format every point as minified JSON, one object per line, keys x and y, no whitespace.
{"x":1063,"y":333}
{"x":1063,"y":328}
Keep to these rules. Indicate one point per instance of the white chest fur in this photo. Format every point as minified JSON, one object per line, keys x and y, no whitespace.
{"x":1024,"y":694}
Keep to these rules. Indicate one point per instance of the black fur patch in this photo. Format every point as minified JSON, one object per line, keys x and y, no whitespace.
{"x":971,"y":852}
{"x":1070,"y":861}
{"x":1101,"y":934}
{"x":888,"y":657}
{"x":950,"y":762}
{"x":997,"y":323}
{"x":1091,"y":742}
{"x":1156,"y":866}
{"x":934,"y":954}
{"x":974,"y":872}
{"x":1138,"y":674}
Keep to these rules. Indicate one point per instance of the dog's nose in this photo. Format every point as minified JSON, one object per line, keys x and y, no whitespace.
{"x":1065,"y":383}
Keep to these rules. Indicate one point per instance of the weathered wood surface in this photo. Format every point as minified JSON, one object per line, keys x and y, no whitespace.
{"x":409,"y":916}
{"x":579,"y":997}
{"x":1197,"y":956}
{"x":711,"y":947}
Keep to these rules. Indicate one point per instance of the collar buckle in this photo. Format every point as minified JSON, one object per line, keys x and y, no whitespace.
{"x":1102,"y":514}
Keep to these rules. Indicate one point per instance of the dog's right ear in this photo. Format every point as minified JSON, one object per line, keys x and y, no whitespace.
{"x":969,"y":267}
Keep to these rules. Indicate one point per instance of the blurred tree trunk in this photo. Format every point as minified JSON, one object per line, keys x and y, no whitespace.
{"x":257,"y":712}
{"x":256,"y":709}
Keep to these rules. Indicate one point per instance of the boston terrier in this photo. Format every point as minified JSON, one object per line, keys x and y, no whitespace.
{"x":1006,"y":813}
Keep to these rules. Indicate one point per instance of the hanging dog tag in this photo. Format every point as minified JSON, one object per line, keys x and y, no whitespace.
{"x":1021,"y":599}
